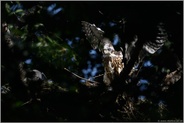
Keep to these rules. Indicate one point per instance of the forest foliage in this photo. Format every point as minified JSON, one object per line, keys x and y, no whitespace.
{"x":48,"y":36}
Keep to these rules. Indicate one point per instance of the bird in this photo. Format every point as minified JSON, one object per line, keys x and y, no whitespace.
{"x":149,"y":47}
{"x":34,"y":80}
{"x":112,"y":59}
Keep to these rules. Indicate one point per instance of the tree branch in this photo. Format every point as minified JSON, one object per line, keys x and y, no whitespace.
{"x":88,"y":82}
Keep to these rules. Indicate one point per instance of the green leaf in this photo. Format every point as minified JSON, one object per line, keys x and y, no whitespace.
{"x":17,"y":104}
{"x":19,"y":11}
{"x":36,"y":26}
{"x":7,"y":6}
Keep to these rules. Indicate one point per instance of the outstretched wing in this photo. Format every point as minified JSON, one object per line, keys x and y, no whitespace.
{"x":93,"y":34}
{"x":112,"y":59}
{"x":152,"y":46}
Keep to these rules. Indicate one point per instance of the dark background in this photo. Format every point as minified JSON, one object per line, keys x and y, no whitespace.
{"x":52,"y":39}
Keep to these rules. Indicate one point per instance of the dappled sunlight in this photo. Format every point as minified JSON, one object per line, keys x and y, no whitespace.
{"x":81,"y":61}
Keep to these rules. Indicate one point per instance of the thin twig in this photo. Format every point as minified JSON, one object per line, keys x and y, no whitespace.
{"x":87,"y":80}
{"x":98,"y":76}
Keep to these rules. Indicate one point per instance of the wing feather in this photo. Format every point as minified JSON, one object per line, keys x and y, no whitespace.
{"x":93,"y":34}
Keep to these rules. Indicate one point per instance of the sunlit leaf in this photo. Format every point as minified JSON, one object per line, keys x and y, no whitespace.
{"x":38,"y":25}
{"x":19,"y":10}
